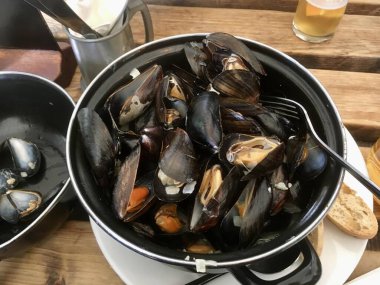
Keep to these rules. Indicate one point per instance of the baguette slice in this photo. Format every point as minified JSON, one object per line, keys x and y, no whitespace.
{"x":352,"y":215}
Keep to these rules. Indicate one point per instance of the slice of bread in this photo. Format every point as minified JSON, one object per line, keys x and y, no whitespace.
{"x":352,"y":215}
{"x":316,"y":238}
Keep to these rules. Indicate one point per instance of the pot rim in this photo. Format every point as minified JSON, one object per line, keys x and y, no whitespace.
{"x":65,"y":186}
{"x":200,"y":262}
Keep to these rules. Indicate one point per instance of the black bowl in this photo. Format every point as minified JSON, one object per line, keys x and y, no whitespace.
{"x":37,"y":110}
{"x":286,"y":77}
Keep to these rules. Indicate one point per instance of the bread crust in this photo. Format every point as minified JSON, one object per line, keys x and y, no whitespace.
{"x":352,"y":215}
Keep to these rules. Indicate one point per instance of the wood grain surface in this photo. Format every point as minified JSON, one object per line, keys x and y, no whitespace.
{"x":359,"y":7}
{"x":71,"y":256}
{"x":354,"y":47}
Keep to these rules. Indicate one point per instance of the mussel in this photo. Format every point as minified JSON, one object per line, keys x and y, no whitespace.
{"x":177,"y":171}
{"x":217,"y":192}
{"x":203,"y":122}
{"x":98,"y":147}
{"x":18,"y":204}
{"x":131,"y":100}
{"x":244,"y":222}
{"x":25,"y":155}
{"x":131,"y":197}
{"x":169,"y":219}
{"x":257,"y":155}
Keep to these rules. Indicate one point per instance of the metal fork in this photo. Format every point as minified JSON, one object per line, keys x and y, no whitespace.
{"x":295,"y":111}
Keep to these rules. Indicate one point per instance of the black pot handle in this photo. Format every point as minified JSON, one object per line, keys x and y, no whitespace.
{"x":307,"y":273}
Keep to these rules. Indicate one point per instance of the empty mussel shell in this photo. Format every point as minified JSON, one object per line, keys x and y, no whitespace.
{"x":25,"y":155}
{"x":17,"y":204}
{"x":8,"y":179}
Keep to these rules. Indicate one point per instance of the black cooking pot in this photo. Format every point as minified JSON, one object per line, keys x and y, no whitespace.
{"x":286,"y":77}
{"x":35,"y":109}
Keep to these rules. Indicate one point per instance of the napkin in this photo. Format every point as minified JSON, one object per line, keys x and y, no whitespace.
{"x":100,"y":15}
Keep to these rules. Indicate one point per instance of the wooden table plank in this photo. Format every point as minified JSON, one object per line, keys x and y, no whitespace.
{"x":358,"y":7}
{"x":356,"y":96}
{"x":70,"y":256}
{"x":354,"y":47}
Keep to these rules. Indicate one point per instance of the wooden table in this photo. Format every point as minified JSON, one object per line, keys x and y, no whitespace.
{"x":348,"y":66}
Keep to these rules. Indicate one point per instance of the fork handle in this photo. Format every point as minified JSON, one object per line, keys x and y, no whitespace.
{"x":350,"y":168}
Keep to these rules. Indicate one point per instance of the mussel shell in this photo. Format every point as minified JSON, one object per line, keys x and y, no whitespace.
{"x":98,"y":146}
{"x":235,"y":122}
{"x":125,"y":183}
{"x":206,"y":216}
{"x":272,"y":125}
{"x":148,"y":119}
{"x":197,"y":58}
{"x":226,"y":41}
{"x":17,"y":204}
{"x":256,"y":214}
{"x":178,"y":157}
{"x":131,"y":100}
{"x":238,"y":83}
{"x":314,"y":161}
{"x":203,"y":122}
{"x":151,"y":143}
{"x":25,"y":155}
{"x":8,"y":179}
{"x":274,"y":156}
{"x":280,"y":189}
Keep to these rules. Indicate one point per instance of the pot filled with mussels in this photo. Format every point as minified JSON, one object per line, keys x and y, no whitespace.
{"x":35,"y":191}
{"x":172,"y":152}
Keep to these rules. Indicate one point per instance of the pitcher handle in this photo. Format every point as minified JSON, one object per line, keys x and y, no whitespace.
{"x":135,"y":6}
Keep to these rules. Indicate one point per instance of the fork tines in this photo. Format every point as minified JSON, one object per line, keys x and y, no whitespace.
{"x":281,"y":108}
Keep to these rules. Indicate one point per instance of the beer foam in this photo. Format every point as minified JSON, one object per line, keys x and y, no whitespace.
{"x":328,"y":4}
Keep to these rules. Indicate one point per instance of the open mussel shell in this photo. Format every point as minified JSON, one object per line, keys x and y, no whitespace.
{"x":217,"y":192}
{"x":224,"y":41}
{"x":132,"y":100}
{"x":131,"y":197}
{"x":238,"y":83}
{"x":25,"y":155}
{"x":245,"y":220}
{"x":172,"y":103}
{"x":177,"y":171}
{"x":17,"y":204}
{"x":98,"y":146}
{"x":257,"y":155}
{"x":203,"y":122}
{"x":8,"y":179}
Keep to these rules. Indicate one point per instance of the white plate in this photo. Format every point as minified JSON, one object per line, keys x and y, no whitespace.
{"x":340,"y":255}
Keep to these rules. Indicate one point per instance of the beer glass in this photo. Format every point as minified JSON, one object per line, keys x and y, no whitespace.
{"x":373,"y":165}
{"x":316,"y":20}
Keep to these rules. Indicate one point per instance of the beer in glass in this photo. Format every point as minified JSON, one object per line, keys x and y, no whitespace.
{"x":317,"y":20}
